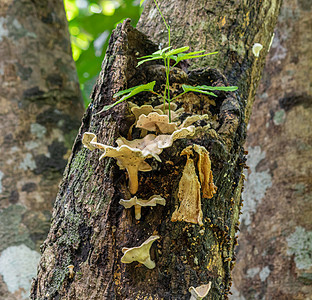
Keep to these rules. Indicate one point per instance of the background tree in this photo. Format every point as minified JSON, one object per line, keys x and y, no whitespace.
{"x":89,"y":227}
{"x":40,"y":113}
{"x":274,"y":255}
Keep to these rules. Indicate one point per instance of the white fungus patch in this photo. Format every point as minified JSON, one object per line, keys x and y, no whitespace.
{"x":1,"y":176}
{"x":28,"y":163}
{"x":18,"y":265}
{"x":256,"y":48}
{"x":300,"y":245}
{"x":38,"y":130}
{"x":256,"y":184}
{"x":265,"y":272}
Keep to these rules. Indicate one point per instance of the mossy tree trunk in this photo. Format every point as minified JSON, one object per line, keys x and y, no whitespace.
{"x":40,"y":113}
{"x":274,"y":256}
{"x":90,"y":227}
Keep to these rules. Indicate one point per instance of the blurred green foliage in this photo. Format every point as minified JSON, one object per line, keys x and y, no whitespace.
{"x":90,"y":25}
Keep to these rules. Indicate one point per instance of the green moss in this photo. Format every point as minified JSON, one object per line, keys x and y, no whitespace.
{"x":59,"y":276}
{"x":71,"y":237}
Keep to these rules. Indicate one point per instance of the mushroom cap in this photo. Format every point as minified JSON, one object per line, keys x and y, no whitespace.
{"x":153,"y":145}
{"x":256,"y":48}
{"x":201,"y":291}
{"x":71,"y":267}
{"x":151,"y":201}
{"x":156,"y":122}
{"x":87,"y":138}
{"x":192,"y":119}
{"x":141,"y":253}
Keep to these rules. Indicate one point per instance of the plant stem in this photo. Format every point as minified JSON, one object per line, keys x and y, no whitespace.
{"x":167,"y":66}
{"x":178,"y":96}
{"x":167,"y":26}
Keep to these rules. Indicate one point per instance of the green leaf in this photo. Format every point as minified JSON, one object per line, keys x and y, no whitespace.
{"x":148,"y":59}
{"x":192,"y":55}
{"x":218,"y":88}
{"x":204,"y":88}
{"x":176,"y":51}
{"x":120,"y":93}
{"x":141,"y":2}
{"x":132,"y":92}
{"x":189,"y":88}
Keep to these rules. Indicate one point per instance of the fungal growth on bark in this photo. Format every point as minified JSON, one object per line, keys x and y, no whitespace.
{"x":189,"y":194}
{"x":140,"y":254}
{"x":190,"y":188}
{"x":156,"y":122}
{"x":205,"y":174}
{"x":87,"y":138}
{"x":139,"y":203}
{"x":131,"y":155}
{"x":200,"y":292}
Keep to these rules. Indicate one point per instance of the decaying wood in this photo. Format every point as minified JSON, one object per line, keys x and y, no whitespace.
{"x":90,"y":227}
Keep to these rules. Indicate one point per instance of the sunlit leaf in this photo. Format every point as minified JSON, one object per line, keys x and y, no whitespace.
{"x":176,"y":51}
{"x":128,"y":93}
{"x":203,"y":89}
{"x":148,"y":59}
{"x":218,"y":88}
{"x":192,"y":55}
{"x":189,"y":88}
{"x":141,"y":2}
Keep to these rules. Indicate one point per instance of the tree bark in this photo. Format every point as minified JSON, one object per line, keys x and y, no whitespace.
{"x":274,"y":255}
{"x":90,"y":227}
{"x":40,"y":111}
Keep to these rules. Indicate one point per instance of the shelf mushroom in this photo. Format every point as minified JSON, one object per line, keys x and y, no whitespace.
{"x":140,"y":254}
{"x":139,"y":203}
{"x":131,"y":155}
{"x":200,"y":292}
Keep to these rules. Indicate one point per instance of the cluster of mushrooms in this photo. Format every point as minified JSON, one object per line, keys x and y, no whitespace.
{"x":131,"y":156}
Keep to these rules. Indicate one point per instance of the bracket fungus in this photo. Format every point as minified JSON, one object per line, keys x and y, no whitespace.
{"x":131,"y":155}
{"x":140,"y":254}
{"x":256,"y":48}
{"x":139,"y":203}
{"x":87,"y":138}
{"x":189,"y":195}
{"x":205,"y":173}
{"x":71,"y":271}
{"x":200,"y":292}
{"x":156,"y":122}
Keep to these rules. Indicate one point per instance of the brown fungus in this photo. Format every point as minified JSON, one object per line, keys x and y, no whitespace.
{"x":139,"y":203}
{"x":87,"y":138}
{"x":140,"y":254}
{"x":200,"y":292}
{"x":189,"y":194}
{"x":205,"y":173}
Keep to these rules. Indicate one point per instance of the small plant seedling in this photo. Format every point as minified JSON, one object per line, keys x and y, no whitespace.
{"x":167,"y":54}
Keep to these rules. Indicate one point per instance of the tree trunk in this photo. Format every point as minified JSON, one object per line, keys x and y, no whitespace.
{"x":90,"y":228}
{"x":274,"y":257}
{"x":40,"y":111}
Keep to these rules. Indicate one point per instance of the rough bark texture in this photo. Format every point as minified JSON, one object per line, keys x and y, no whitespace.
{"x":40,"y":111}
{"x":90,"y":227}
{"x":274,"y":257}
